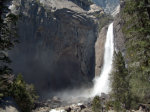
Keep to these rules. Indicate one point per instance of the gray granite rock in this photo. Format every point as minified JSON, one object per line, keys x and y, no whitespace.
{"x":56,"y":49}
{"x":99,"y":50}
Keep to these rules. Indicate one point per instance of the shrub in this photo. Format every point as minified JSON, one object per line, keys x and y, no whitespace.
{"x":24,"y":94}
{"x":96,"y":104}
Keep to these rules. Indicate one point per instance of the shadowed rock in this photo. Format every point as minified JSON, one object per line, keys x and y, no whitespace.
{"x":56,"y":49}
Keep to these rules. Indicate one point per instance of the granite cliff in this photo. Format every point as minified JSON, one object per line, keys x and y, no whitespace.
{"x":57,"y":44}
{"x":119,"y":37}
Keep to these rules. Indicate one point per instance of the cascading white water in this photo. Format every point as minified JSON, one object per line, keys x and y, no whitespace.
{"x":101,"y":84}
{"x":55,"y":110}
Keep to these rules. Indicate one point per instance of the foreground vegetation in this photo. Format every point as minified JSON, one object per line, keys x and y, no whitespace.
{"x":96,"y":104}
{"x":131,"y":74}
{"x":10,"y":86}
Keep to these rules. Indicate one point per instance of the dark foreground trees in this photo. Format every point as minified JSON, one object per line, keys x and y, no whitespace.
{"x":24,"y":94}
{"x":7,"y":41}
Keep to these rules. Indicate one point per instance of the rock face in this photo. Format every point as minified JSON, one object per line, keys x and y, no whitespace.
{"x":99,"y":50}
{"x":118,"y":34}
{"x":108,"y":5}
{"x":56,"y":49}
{"x":54,"y":5}
{"x":119,"y":38}
{"x":94,"y":9}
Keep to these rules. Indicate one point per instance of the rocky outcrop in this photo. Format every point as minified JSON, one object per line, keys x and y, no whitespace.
{"x":56,"y":49}
{"x":80,"y":104}
{"x":94,"y":9}
{"x":118,"y":34}
{"x":119,"y":38}
{"x":63,"y":106}
{"x":54,"y":5}
{"x":116,"y":11}
{"x":99,"y":50}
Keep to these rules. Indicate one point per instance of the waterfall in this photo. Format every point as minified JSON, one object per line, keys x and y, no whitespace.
{"x":101,"y":83}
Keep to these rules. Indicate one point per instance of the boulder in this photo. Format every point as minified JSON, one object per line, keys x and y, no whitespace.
{"x":67,"y":109}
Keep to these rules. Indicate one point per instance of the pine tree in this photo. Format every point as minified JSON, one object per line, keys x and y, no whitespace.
{"x":23,"y":93}
{"x":120,"y":83}
{"x":96,"y":104}
{"x":7,"y":41}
